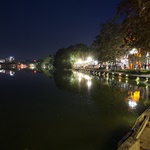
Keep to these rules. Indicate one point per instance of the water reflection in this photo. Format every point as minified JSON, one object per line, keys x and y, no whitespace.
{"x":135,"y":91}
{"x":10,"y":72}
{"x":82,"y":76}
{"x":73,"y":111}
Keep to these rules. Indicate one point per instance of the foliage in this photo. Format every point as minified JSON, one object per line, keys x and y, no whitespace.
{"x":136,"y":22}
{"x":109,"y":43}
{"x":45,"y":65}
{"x":66,"y":57}
{"x":47,"y":62}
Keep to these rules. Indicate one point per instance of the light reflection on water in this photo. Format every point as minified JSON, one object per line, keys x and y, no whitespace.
{"x":135,"y":92}
{"x":70,"y":111}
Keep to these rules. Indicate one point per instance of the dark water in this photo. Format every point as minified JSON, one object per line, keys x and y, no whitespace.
{"x":67,"y":112}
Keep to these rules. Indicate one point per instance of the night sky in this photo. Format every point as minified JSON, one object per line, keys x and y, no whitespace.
{"x":33,"y":29}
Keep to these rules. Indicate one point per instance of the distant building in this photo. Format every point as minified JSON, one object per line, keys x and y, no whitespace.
{"x":2,"y":60}
{"x":10,"y":59}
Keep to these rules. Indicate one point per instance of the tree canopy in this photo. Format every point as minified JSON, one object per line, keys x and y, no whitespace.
{"x":66,"y":57}
{"x":108,"y":44}
{"x":136,"y":22}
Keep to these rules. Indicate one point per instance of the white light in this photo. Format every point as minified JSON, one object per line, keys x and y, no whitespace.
{"x":134,"y":51}
{"x":2,"y":71}
{"x":95,"y":62}
{"x":11,"y":73}
{"x":89,"y":83}
{"x":132,"y":104}
{"x":87,"y":77}
{"x":79,"y":61}
{"x":89,"y":59}
{"x":80,"y":74}
{"x":147,"y":55}
{"x":79,"y":79}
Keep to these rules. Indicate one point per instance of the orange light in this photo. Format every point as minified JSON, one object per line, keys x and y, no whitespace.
{"x":135,"y":96}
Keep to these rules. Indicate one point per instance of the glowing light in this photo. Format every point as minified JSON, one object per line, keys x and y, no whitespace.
{"x":87,"y":77}
{"x":32,"y":66}
{"x":89,"y":59}
{"x":2,"y":71}
{"x":126,"y":76}
{"x":134,"y":51}
{"x":79,"y":61}
{"x":21,"y":66}
{"x":80,"y":74}
{"x":79,"y":79}
{"x":89,"y":83}
{"x":95,"y":62}
{"x":11,"y":73}
{"x":107,"y":78}
{"x":135,"y":96}
{"x":147,"y":55}
{"x":11,"y":58}
{"x":132,"y":104}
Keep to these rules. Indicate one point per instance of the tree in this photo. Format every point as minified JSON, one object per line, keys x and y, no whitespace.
{"x":109,"y":43}
{"x":47,"y":62}
{"x":66,"y":57}
{"x":135,"y":16}
{"x":45,"y":65}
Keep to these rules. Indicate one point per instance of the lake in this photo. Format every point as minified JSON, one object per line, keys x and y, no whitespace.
{"x":69,"y":111}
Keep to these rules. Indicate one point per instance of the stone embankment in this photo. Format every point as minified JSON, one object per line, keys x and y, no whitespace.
{"x":139,"y":136}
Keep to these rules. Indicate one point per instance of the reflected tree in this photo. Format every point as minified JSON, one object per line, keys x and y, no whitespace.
{"x":45,"y":66}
